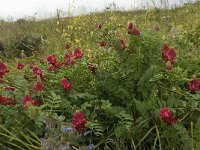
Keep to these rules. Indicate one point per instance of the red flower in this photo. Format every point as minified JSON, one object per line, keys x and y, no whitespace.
{"x":37,"y":103}
{"x":130,"y":26}
{"x":92,"y":68}
{"x":37,"y":71}
{"x":78,"y":53}
{"x":133,"y":30}
{"x":51,"y":59}
{"x":7,"y":100}
{"x":167,"y":117}
{"x":102,"y":43}
{"x":168,"y":54}
{"x":39,"y":86}
{"x":20,"y":66}
{"x":8,"y":88}
{"x":66,"y":85}
{"x":68,"y":58}
{"x":30,"y":100}
{"x":3,"y":69}
{"x":25,"y":100}
{"x":194,"y":84}
{"x":78,"y":121}
{"x":123,"y":43}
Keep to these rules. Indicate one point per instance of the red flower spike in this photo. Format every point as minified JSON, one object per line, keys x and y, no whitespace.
{"x":3,"y":69}
{"x":37,"y":71}
{"x":37,"y":103}
{"x":130,"y":26}
{"x":68,"y":58}
{"x":78,"y":53}
{"x":168,"y":54}
{"x":51,"y":59}
{"x":39,"y":86}
{"x":79,"y":122}
{"x":30,"y":100}
{"x":25,"y":100}
{"x":167,"y":117}
{"x":102,"y":43}
{"x":7,"y":100}
{"x":123,"y":43}
{"x":66,"y":85}
{"x":20,"y":66}
{"x":193,"y":85}
{"x":133,"y":30}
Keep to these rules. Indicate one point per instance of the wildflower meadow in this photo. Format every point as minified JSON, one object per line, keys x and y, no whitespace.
{"x":109,"y":82}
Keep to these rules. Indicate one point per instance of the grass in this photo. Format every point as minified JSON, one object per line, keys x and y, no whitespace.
{"x":80,"y":30}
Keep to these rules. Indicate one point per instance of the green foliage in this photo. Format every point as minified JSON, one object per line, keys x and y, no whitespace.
{"x":120,"y":100}
{"x":28,"y":44}
{"x":1,"y":46}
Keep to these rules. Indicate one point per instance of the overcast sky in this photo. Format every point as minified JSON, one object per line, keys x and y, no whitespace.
{"x":16,"y":9}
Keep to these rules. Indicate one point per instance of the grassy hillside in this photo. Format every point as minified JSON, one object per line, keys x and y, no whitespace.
{"x":81,"y":29}
{"x":127,"y":80}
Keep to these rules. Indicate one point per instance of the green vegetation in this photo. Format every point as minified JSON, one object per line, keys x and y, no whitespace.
{"x":112,"y":81}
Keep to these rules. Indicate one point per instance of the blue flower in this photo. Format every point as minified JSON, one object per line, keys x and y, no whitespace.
{"x":66,"y":129}
{"x":87,"y":132}
{"x":91,"y":147}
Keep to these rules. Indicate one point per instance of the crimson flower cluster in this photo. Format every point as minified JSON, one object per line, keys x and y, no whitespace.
{"x":27,"y":99}
{"x":79,"y":121}
{"x":167,"y":117}
{"x":70,"y":58}
{"x":3,"y":70}
{"x":20,"y":66}
{"x":39,"y":86}
{"x":133,"y":30}
{"x":7,"y":100}
{"x":38,"y":72}
{"x":53,"y":63}
{"x":193,"y":85}
{"x":66,"y":85}
{"x":168,"y":55}
{"x":102,"y":43}
{"x":123,"y":43}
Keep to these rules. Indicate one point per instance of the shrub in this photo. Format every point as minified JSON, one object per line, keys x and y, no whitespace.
{"x":134,"y":92}
{"x":28,"y":43}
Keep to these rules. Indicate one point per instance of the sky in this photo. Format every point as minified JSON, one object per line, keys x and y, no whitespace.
{"x":16,"y":9}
